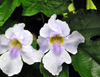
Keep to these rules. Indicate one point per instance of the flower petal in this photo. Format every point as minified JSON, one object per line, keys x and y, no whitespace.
{"x":53,"y":62}
{"x":3,"y":49}
{"x":53,"y":24}
{"x":72,"y":42}
{"x":18,"y":28}
{"x":18,"y":31}
{"x":43,"y":43}
{"x":4,"y":40}
{"x":4,"y":44}
{"x":45,"y":31}
{"x":27,"y":38}
{"x":30,"y":55}
{"x":9,"y":33}
{"x":9,"y":65}
{"x":64,"y":26}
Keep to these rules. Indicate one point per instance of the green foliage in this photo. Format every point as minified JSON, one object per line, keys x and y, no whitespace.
{"x":87,"y":61}
{"x":9,"y":23}
{"x":48,"y":7}
{"x":6,"y":9}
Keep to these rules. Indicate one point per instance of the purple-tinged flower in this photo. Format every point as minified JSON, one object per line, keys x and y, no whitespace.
{"x":15,"y":46}
{"x":55,"y":42}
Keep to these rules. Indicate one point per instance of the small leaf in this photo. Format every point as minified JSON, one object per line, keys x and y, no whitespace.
{"x":71,"y":7}
{"x":90,"y":5}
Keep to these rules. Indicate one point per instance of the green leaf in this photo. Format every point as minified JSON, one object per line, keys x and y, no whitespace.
{"x":34,"y":44}
{"x":6,"y":9}
{"x":48,"y":7}
{"x":85,"y":64}
{"x":87,"y":60}
{"x":63,"y":73}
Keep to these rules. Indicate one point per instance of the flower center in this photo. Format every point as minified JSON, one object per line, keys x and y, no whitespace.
{"x":15,"y":43}
{"x":58,"y":39}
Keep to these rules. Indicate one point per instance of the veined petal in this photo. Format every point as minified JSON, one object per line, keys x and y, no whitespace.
{"x":53,"y":24}
{"x":72,"y":42}
{"x":64,"y":27}
{"x":10,"y":66}
{"x":43,"y":43}
{"x":30,"y":55}
{"x":9,"y":33}
{"x":53,"y":62}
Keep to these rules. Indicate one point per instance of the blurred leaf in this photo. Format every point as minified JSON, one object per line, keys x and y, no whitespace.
{"x":90,"y":5}
{"x":63,"y":73}
{"x":6,"y":9}
{"x":87,"y":61}
{"x":48,"y":7}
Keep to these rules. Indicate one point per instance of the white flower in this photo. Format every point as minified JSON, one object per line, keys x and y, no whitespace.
{"x":15,"y":45}
{"x":55,"y":41}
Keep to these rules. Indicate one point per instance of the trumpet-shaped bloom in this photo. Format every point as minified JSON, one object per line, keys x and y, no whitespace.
{"x":55,"y":41}
{"x":15,"y":45}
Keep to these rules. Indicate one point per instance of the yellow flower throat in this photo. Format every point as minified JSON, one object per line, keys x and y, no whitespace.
{"x":14,"y":43}
{"x":58,"y":39}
